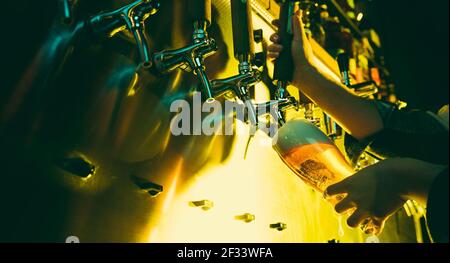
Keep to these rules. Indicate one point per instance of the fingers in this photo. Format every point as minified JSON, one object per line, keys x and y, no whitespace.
{"x":275,"y":48}
{"x":337,"y":189}
{"x":273,"y":55}
{"x":275,"y":38}
{"x":345,"y":205}
{"x":357,"y":218}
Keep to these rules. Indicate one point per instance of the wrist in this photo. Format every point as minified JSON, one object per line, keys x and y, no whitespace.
{"x":398,"y":168}
{"x":415,"y":178}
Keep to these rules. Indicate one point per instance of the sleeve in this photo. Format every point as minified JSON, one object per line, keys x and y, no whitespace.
{"x":407,"y":133}
{"x":437,"y":208}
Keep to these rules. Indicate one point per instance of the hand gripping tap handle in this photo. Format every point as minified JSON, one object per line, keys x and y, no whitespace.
{"x":242,"y":30}
{"x":284,"y":65}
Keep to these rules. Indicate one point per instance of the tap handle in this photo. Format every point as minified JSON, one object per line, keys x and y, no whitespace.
{"x":67,"y":10}
{"x":284,"y":65}
{"x":200,"y":11}
{"x":343,"y":60}
{"x":106,"y":23}
{"x":242,"y":30}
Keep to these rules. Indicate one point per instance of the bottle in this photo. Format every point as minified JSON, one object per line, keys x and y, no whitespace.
{"x":313,"y":157}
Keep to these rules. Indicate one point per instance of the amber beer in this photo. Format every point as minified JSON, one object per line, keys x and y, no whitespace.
{"x":314,"y":158}
{"x":311,"y":155}
{"x":319,"y":165}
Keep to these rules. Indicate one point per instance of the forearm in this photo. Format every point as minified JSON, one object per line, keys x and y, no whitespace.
{"x":358,"y":116}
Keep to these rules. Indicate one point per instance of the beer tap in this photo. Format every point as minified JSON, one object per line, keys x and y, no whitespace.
{"x":131,"y":17}
{"x":308,"y":7}
{"x":284,"y":65}
{"x":248,"y":75}
{"x":191,"y":58}
{"x":365,"y":89}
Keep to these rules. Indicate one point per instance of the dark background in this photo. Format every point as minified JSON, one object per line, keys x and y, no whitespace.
{"x":414,"y":33}
{"x":415,"y":38}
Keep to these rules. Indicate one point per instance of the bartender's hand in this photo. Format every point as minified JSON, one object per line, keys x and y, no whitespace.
{"x":302,"y":51}
{"x":357,"y":116}
{"x":379,"y":191}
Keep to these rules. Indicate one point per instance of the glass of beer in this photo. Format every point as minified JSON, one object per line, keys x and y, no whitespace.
{"x":314,"y":158}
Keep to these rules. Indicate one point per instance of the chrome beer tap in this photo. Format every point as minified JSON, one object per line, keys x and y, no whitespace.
{"x":248,"y":75}
{"x":308,"y":6}
{"x":366,"y":89}
{"x":131,"y":17}
{"x":284,"y":65}
{"x":191,"y":58}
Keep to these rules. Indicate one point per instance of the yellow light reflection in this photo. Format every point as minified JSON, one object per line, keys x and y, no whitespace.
{"x":260,"y":185}
{"x":173,"y":187}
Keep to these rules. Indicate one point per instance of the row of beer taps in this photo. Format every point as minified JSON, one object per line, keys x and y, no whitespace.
{"x":191,"y":58}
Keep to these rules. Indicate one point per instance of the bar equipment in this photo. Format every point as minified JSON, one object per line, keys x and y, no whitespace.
{"x":191,"y":58}
{"x":131,"y":17}
{"x":248,"y":75}
{"x":284,"y":65}
{"x":365,"y":89}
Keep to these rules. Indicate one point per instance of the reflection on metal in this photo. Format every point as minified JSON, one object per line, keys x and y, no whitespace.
{"x":279,"y":226}
{"x":247,"y":218}
{"x":203,"y":204}
{"x":248,"y":76}
{"x":417,"y":212}
{"x":141,"y":79}
{"x":309,"y":114}
{"x":192,"y":57}
{"x":132,"y":17}
{"x":363,"y":161}
{"x":101,"y":106}
{"x":333,"y":130}
{"x":76,"y":164}
{"x":151,"y":188}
